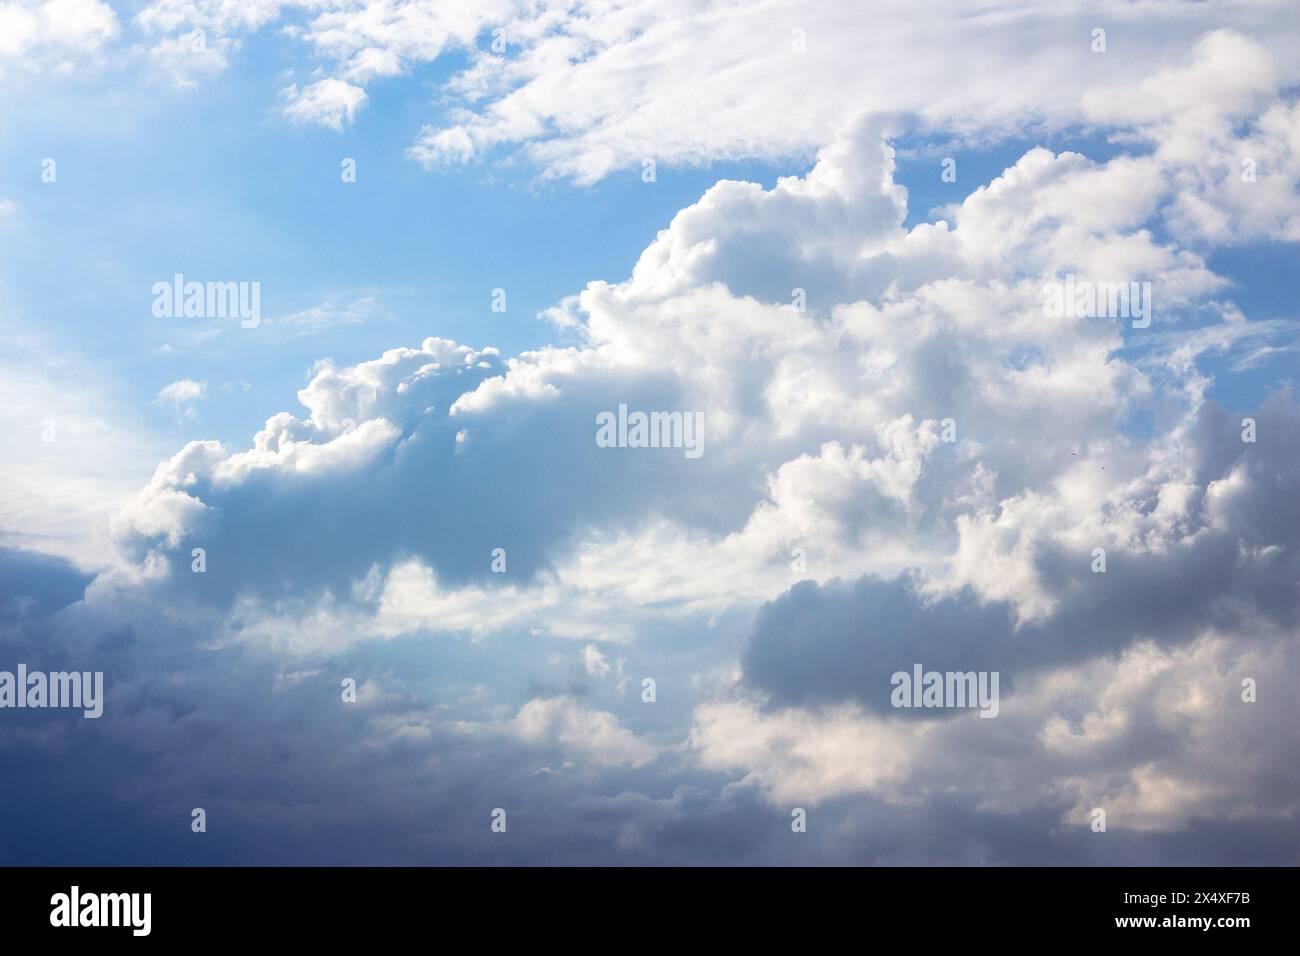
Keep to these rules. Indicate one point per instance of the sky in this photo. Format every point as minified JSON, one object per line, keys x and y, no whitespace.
{"x":366,"y":584}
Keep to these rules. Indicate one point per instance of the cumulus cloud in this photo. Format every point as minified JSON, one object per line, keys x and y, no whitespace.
{"x":1156,"y":737}
{"x":1139,"y":670}
{"x":595,"y":735}
{"x":905,"y":329}
{"x":54,"y":33}
{"x":593,"y":661}
{"x":909,"y":459}
{"x":331,"y":103}
{"x":190,"y":39}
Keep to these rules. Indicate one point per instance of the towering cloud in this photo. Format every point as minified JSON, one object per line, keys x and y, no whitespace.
{"x":650,"y":656}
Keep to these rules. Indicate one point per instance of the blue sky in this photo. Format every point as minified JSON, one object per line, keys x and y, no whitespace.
{"x":192,"y":183}
{"x":920,"y":466}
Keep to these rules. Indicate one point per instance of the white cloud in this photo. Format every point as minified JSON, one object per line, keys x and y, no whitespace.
{"x":604,"y":88}
{"x":822,"y":426}
{"x":194,"y":38}
{"x":54,"y":33}
{"x":332,"y":103}
{"x":328,"y":315}
{"x":1155,"y":737}
{"x":592,"y":735}
{"x":588,"y":90}
{"x":182,"y":397}
{"x":593,"y":661}
{"x":372,"y":511}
